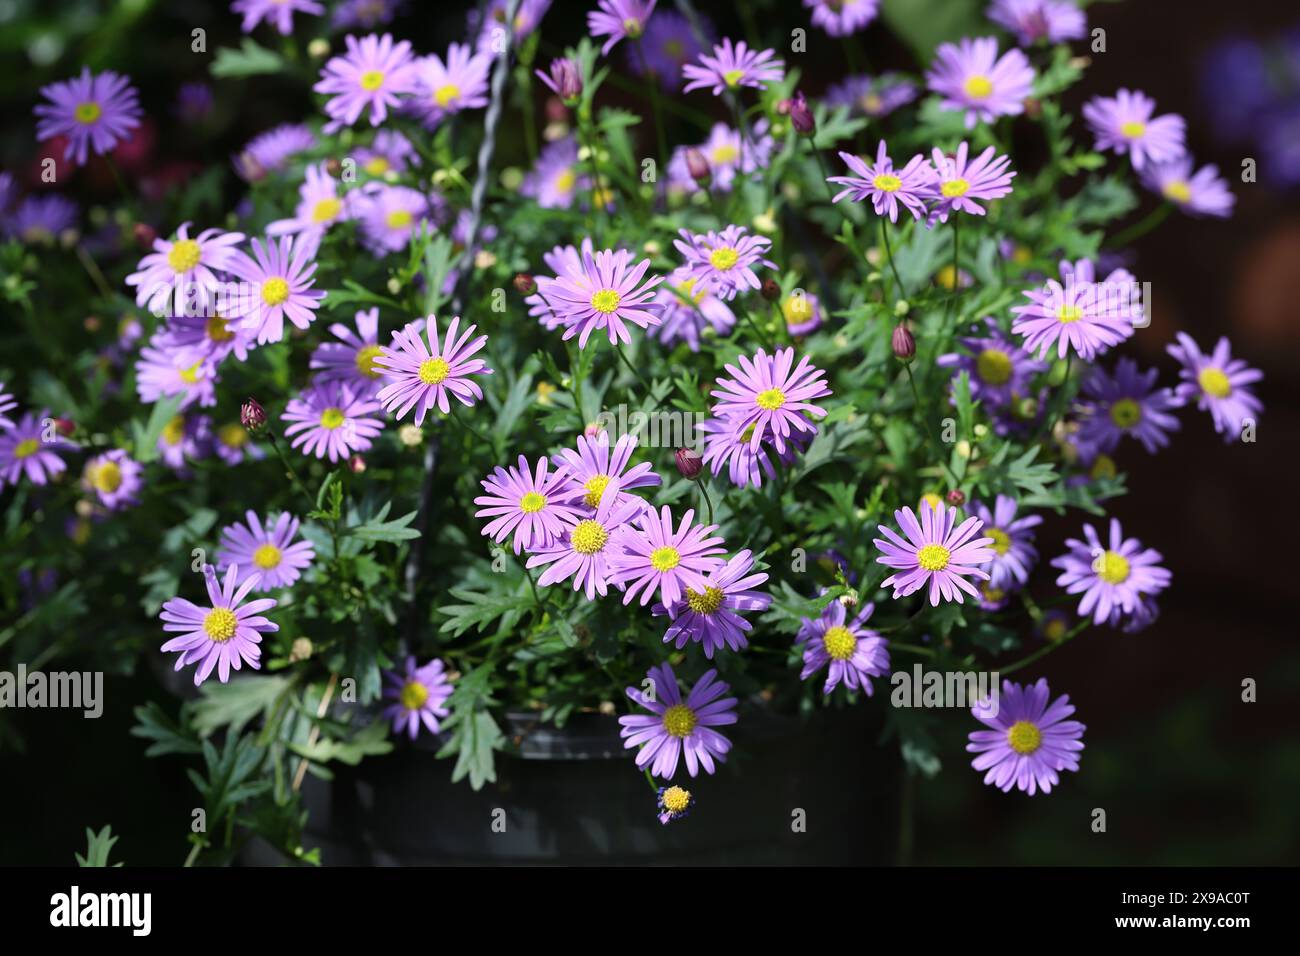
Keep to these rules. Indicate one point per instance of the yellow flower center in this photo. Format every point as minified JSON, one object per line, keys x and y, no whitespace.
{"x":872,"y":103}
{"x":704,"y":603}
{"x":413,"y":695}
{"x":532,"y":503}
{"x":443,"y":95}
{"x":1113,"y":568}
{"x":217,"y":330}
{"x":840,"y":644}
{"x":1214,"y":382}
{"x":595,"y":487}
{"x":588,"y":537}
{"x":632,"y":27}
{"x":954,"y":188}
{"x":372,"y":80}
{"x":220,"y":624}
{"x":887,"y":183}
{"x":605,"y":300}
{"x":366,"y":361}
{"x":398,"y":219}
{"x":275,"y":291}
{"x":1069,"y":313}
{"x":665,"y":558}
{"x":106,"y":477}
{"x":331,"y":418}
{"x":770,"y":400}
{"x":796,"y":309}
{"x":190,"y":375}
{"x":723,"y":258}
{"x":1054,"y":629}
{"x":232,"y":435}
{"x":679,"y":720}
{"x":174,"y":430}
{"x":1103,"y":467}
{"x":933,"y":557}
{"x":566,"y":180}
{"x":1126,"y":413}
{"x":1178,"y":191}
{"x":1024,"y":738}
{"x":1022,"y":255}
{"x":434,"y":371}
{"x":87,"y":113}
{"x":326,"y":209}
{"x":184,"y":255}
{"x":993,"y":366}
{"x":931,"y":499}
{"x":676,"y":800}
{"x":1001,"y":540}
{"x":725,"y":155}
{"x":267,"y":557}
{"x":1133,"y":130}
{"x":376,"y":165}
{"x":732,"y":77}
{"x":27,"y":448}
{"x":977,"y":87}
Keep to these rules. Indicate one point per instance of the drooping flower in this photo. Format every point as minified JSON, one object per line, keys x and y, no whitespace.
{"x":422,"y":376}
{"x":731,"y":67}
{"x":281,"y":274}
{"x":1112,"y":578}
{"x":1000,"y":370}
{"x":41,"y":219}
{"x":329,"y":419}
{"x":619,"y":19}
{"x":277,"y":13}
{"x":1012,"y":544}
{"x":840,"y":18}
{"x":602,"y":292}
{"x":872,"y":96}
{"x":224,"y":635}
{"x":418,"y":695}
{"x":668,"y":44}
{"x":92,"y":111}
{"x":771,"y":395}
{"x":1123,"y":123}
{"x":959,"y":183}
{"x":319,"y":207}
{"x":1032,"y":20}
{"x":184,"y":268}
{"x":674,"y":803}
{"x":594,"y":466}
{"x":264,"y":553}
{"x":1029,"y":742}
{"x":1083,"y":314}
{"x":687,"y":308}
{"x":854,"y":653}
{"x":442,"y":89}
{"x":656,"y":559}
{"x":971,"y":76}
{"x":554,"y":181}
{"x":728,"y":443}
{"x":583,"y":551}
{"x":390,"y":216}
{"x":271,"y":151}
{"x":352,"y":358}
{"x":934,"y":553}
{"x":115,"y":478}
{"x":1219,"y":383}
{"x":1203,"y":193}
{"x":204,"y":338}
{"x":1126,"y":403}
{"x":886,"y":186}
{"x":723,"y":262}
{"x":709,"y":617}
{"x":372,"y":75}
{"x":677,"y":728}
{"x":30,"y":447}
{"x":536,"y":506}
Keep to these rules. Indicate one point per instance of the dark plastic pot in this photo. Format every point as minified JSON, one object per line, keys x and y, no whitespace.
{"x":574,"y":796}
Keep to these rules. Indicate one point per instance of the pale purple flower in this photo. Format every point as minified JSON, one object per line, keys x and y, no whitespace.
{"x":222,"y":636}
{"x":390,"y":216}
{"x":161,"y":372}
{"x":282,"y":274}
{"x":276,"y":13}
{"x":1219,"y":383}
{"x":1029,"y":742}
{"x":619,"y":19}
{"x":728,"y":154}
{"x":1203,"y":193}
{"x":934,"y":553}
{"x":656,"y":559}
{"x":41,"y":219}
{"x":489,"y":24}
{"x":419,"y":696}
{"x":331,"y":420}
{"x":92,"y":111}
{"x":669,"y":42}
{"x":319,"y":207}
{"x":444,"y":88}
{"x":602,"y":293}
{"x":1112,"y":578}
{"x":115,"y":478}
{"x":265,"y":553}
{"x":422,"y":376}
{"x":728,"y":443}
{"x":676,"y":727}
{"x":207,"y":338}
{"x":773,"y":394}
{"x":373,"y":75}
{"x":723,"y":262}
{"x":958,"y":183}
{"x":564,"y":79}
{"x":1012,"y":542}
{"x":710,"y":617}
{"x":594,"y":466}
{"x":183,"y":271}
{"x":971,"y":76}
{"x":554,"y":181}
{"x":271,"y":151}
{"x":32,"y":446}
{"x":1084,"y":315}
{"x":851,"y":652}
{"x":687,"y":308}
{"x":1000,"y":370}
{"x":536,"y":506}
{"x":583,"y":550}
{"x":184,"y":439}
{"x":874,"y":97}
{"x":389,"y":152}
{"x":886,"y":186}
{"x":1123,"y":123}
{"x":1126,"y":403}
{"x":731,"y":67}
{"x":1032,"y":20}
{"x":7,"y":404}
{"x":840,"y":18}
{"x":352,"y":358}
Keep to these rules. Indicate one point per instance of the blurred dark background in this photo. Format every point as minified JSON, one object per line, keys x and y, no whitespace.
{"x":1187,"y":772}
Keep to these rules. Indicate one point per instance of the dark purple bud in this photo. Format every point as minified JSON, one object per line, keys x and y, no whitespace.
{"x":904,"y":343}
{"x":689,"y":463}
{"x":144,"y":234}
{"x":771,"y":290}
{"x":697,"y":165}
{"x":956,"y":497}
{"x":564,"y":79}
{"x":252,"y":415}
{"x":525,"y":284}
{"x":801,"y":117}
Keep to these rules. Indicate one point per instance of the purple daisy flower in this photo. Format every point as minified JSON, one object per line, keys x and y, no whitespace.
{"x":1000,"y":370}
{"x":1012,"y":542}
{"x":183,"y":271}
{"x":1111,"y":578}
{"x":265,"y":554}
{"x":489,"y":25}
{"x":840,"y":18}
{"x":330,"y":419}
{"x":723,"y":262}
{"x":1127,"y":403}
{"x":352,"y":358}
{"x":584,"y":550}
{"x":619,"y":19}
{"x":1032,"y":20}
{"x":1123,"y":123}
{"x":802,"y":312}
{"x":1219,"y":383}
{"x":419,"y":696}
{"x":31,"y":447}
{"x":7,"y":404}
{"x":1029,"y":741}
{"x":677,"y":727}
{"x":282,"y":275}
{"x":442,"y":89}
{"x":390,"y":216}
{"x":93,"y":112}
{"x":42,"y":219}
{"x":424,"y":375}
{"x":276,"y":13}
{"x":595,"y":466}
{"x":207,"y":339}
{"x":874,"y":97}
{"x":366,"y":14}
{"x":564,"y":79}
{"x":731,"y":67}
{"x":674,"y":803}
{"x":1083,"y":314}
{"x":668,"y":44}
{"x":184,"y":439}
{"x":193,"y":103}
{"x":389,"y":152}
{"x":971,"y":76}
{"x":935,"y":554}
{"x":728,"y":154}
{"x":855,"y":653}
{"x":728,"y":443}
{"x":271,"y":151}
{"x":233,"y":445}
{"x":554,"y":182}
{"x":769,"y":394}
{"x":536,"y":506}
{"x":602,"y":293}
{"x":373,"y":74}
{"x":161,"y":373}
{"x":1203,"y":193}
{"x":959,"y":183}
{"x":222,"y":636}
{"x":687,"y":308}
{"x":662,"y":560}
{"x":709,"y":616}
{"x":115,"y":478}
{"x":886,"y":186}
{"x":319,"y":207}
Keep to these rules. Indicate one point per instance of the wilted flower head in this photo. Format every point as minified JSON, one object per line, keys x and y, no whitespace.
{"x":564,"y":79}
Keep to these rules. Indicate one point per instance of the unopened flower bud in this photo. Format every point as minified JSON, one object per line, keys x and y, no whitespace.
{"x":801,"y":116}
{"x":252,"y":415}
{"x":357,"y":464}
{"x":145,"y":235}
{"x":91,"y":323}
{"x":318,"y":48}
{"x":65,"y":426}
{"x":904,"y":343}
{"x":301,"y":650}
{"x":956,"y":497}
{"x":565,"y":79}
{"x":525,"y":284}
{"x":333,"y":166}
{"x":593,"y":429}
{"x":771,"y":290}
{"x":689,"y":463}
{"x":697,"y":165}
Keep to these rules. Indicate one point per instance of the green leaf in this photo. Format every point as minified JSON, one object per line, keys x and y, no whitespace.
{"x":377,"y":529}
{"x":234,"y":704}
{"x":98,"y":847}
{"x":481,"y":610}
{"x":249,"y":60}
{"x":371,"y":741}
{"x":168,"y":736}
{"x":146,"y":437}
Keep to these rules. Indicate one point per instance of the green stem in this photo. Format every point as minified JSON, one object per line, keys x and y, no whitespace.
{"x":826,"y":176}
{"x":1140,"y":229}
{"x":464,"y":423}
{"x":290,"y":472}
{"x":705,"y":492}
{"x":653,"y":84}
{"x":651,"y":780}
{"x":633,"y":369}
{"x":1044,"y":651}
{"x":749,"y":316}
{"x":889,"y":254}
